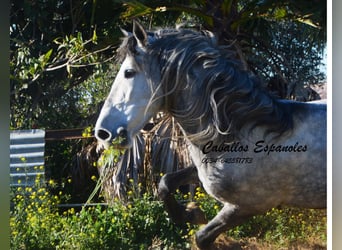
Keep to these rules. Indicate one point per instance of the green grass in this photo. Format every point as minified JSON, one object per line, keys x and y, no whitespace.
{"x":279,"y":227}
{"x":36,"y":222}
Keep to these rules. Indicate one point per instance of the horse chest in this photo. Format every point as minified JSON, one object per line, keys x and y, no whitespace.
{"x":211,"y":169}
{"x":215,"y":181}
{"x":223,"y":181}
{"x":239,"y":183}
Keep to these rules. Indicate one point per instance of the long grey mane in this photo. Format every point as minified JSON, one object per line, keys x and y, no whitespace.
{"x":222,"y":96}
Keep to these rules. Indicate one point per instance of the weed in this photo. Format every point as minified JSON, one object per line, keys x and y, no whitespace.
{"x":140,"y":222}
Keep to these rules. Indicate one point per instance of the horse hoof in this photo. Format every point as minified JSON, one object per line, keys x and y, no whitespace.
{"x":202,"y":242}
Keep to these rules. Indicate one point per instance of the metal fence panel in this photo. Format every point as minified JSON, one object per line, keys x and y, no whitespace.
{"x":26,"y":157}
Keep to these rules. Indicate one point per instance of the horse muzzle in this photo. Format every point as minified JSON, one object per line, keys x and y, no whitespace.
{"x":118,"y":138}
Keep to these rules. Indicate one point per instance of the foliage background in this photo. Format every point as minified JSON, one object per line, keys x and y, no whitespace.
{"x":61,"y":52}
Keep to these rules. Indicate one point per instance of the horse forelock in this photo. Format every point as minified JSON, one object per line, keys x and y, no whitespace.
{"x":127,"y":47}
{"x":224,"y":97}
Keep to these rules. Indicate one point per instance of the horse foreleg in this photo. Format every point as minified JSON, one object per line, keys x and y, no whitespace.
{"x":180,"y":213}
{"x":229,"y":217}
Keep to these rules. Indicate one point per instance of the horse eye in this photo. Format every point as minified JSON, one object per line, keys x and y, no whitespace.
{"x":129,"y":73}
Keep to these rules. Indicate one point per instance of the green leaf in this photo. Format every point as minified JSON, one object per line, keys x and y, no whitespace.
{"x":280,"y":13}
{"x":43,"y":59}
{"x":48,"y":55}
{"x":136,"y":9}
{"x":226,"y":6}
{"x":196,"y":12}
{"x":94,"y":38}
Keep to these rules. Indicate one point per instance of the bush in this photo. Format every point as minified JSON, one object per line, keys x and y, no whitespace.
{"x":37,"y":222}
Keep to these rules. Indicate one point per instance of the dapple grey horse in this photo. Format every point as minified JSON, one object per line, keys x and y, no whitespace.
{"x":251,"y":151}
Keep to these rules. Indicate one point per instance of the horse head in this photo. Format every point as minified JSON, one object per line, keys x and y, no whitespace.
{"x":129,"y":104}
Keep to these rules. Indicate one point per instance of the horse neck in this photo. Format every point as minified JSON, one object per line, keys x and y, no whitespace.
{"x":211,"y":95}
{"x":197,"y":126}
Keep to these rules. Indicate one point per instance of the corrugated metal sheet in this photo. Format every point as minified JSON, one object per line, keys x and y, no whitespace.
{"x":26,"y":156}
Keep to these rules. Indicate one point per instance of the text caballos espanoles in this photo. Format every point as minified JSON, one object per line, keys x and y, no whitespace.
{"x":259,"y":147}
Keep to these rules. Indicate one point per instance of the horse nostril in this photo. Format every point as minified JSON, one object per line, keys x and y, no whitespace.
{"x":103,"y":135}
{"x":122,"y":132}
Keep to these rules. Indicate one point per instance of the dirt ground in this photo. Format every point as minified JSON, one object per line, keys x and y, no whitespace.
{"x":225,"y":243}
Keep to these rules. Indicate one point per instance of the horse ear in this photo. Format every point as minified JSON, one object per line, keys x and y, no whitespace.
{"x":125,"y":32}
{"x":139,"y":34}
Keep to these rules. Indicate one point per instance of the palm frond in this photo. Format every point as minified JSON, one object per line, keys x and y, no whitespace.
{"x":160,"y":150}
